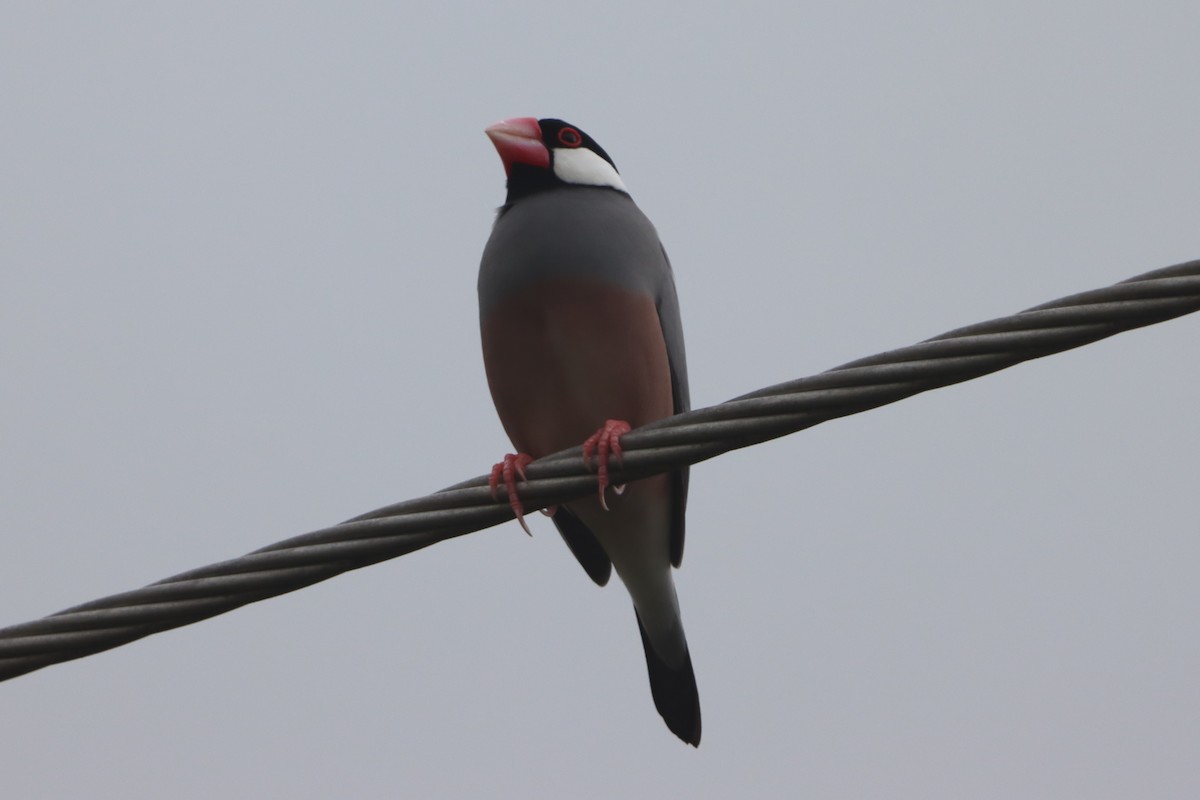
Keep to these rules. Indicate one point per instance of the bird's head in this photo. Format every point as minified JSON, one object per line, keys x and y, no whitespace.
{"x":541,"y":154}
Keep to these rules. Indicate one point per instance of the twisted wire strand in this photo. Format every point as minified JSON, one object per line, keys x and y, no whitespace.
{"x":395,"y":530}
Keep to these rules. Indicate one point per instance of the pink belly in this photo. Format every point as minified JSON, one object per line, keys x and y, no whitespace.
{"x":562,"y":357}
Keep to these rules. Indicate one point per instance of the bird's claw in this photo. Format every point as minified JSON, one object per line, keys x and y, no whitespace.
{"x":507,"y":471}
{"x":605,"y":442}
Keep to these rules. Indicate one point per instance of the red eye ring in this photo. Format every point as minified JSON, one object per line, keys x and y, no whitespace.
{"x":569,"y":137}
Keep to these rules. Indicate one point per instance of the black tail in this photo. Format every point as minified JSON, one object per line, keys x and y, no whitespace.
{"x":674,"y":691}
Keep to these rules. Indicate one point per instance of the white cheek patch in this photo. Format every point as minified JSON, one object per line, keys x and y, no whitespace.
{"x":582,"y":166}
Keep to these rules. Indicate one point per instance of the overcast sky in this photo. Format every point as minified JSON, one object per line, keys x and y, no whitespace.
{"x":238,"y":253}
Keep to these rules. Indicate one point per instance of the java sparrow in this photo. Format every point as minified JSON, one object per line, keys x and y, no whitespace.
{"x":582,"y":340}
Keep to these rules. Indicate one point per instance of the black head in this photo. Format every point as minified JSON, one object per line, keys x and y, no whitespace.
{"x":549,"y":153}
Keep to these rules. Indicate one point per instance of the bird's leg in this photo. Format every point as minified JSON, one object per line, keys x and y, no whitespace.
{"x":604,"y":442}
{"x":508,"y":470}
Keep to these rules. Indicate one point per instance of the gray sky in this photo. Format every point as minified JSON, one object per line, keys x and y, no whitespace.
{"x":239,"y":245}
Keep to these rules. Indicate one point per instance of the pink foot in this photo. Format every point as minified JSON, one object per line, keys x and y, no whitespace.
{"x":508,"y":470}
{"x":604,"y":442}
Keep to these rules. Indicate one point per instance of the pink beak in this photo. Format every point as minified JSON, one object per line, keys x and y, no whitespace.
{"x":519,"y":141}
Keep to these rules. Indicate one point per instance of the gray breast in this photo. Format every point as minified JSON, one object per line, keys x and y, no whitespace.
{"x":593,"y":234}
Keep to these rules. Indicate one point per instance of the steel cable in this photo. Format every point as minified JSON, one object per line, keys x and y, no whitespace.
{"x":689,"y":438}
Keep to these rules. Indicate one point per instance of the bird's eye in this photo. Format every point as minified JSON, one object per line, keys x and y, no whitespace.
{"x":569,"y":137}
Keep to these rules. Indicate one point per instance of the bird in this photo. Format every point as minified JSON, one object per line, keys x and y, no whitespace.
{"x":582,"y":341}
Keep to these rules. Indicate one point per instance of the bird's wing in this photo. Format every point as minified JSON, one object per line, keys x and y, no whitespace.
{"x":672,"y":327}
